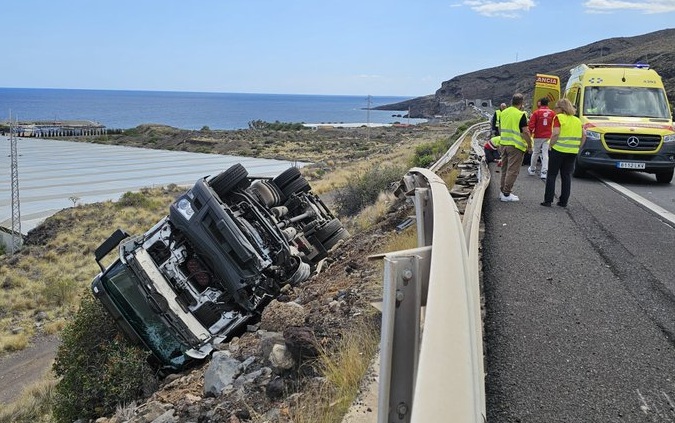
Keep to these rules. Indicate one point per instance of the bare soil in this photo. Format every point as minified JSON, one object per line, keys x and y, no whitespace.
{"x":20,"y":369}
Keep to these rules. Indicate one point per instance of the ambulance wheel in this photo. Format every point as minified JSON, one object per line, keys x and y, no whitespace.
{"x":664,"y":177}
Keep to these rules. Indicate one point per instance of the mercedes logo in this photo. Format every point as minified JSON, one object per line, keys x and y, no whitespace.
{"x":633,"y":141}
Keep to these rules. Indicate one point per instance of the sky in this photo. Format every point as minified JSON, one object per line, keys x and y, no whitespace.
{"x":349,"y":47}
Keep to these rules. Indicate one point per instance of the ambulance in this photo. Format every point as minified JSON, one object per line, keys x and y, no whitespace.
{"x":545,"y":86}
{"x":627,"y":118}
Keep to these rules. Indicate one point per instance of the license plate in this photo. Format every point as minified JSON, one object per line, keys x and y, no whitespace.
{"x":630,"y":165}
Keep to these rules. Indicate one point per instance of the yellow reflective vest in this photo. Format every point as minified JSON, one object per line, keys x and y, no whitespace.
{"x":571,"y":131}
{"x":509,"y":128}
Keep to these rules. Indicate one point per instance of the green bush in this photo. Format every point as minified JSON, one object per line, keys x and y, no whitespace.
{"x":60,"y":290}
{"x":429,"y":153}
{"x":97,"y":368}
{"x":137,"y":200}
{"x":275,"y":126}
{"x":362,"y":190}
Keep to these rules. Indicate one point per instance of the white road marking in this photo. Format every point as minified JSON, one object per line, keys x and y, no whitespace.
{"x":663,"y":213}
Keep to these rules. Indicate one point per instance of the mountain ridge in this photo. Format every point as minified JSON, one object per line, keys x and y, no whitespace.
{"x":499,"y":83}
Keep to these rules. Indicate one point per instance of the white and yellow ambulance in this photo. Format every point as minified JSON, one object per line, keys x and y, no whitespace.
{"x":627,"y":118}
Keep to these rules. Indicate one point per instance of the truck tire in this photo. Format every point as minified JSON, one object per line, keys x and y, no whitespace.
{"x":665,"y":177}
{"x":335,"y":238}
{"x":296,"y":186}
{"x":285,"y":177}
{"x":328,"y":230}
{"x":234,"y":177}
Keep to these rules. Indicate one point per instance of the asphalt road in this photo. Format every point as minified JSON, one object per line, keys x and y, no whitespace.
{"x":580,"y":305}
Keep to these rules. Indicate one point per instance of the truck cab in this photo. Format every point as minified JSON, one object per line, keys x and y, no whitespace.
{"x":627,"y":118}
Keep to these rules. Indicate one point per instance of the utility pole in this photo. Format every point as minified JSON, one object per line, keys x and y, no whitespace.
{"x":368,"y":120}
{"x":16,"y":207}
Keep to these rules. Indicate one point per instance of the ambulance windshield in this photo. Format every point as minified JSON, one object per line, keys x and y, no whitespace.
{"x":626,"y":102}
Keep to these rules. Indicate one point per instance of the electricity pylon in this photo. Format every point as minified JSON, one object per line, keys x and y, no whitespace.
{"x":16,"y":207}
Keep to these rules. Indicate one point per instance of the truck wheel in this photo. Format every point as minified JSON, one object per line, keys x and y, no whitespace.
{"x":328,"y":230}
{"x":335,"y":238}
{"x":665,"y":177}
{"x":288,"y":175}
{"x":296,"y":186}
{"x":579,"y":171}
{"x":234,"y":177}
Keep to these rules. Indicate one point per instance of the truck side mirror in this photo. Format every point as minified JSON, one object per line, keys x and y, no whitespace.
{"x":108,"y":245}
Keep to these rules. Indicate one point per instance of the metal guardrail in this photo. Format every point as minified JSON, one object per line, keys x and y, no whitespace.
{"x":435,"y":287}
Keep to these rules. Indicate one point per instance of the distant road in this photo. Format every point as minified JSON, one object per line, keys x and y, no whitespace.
{"x":52,"y":172}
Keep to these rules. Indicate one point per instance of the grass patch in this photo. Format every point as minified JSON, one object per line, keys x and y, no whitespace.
{"x":34,"y":405}
{"x":343,"y":370}
{"x":404,"y":240}
{"x":14,"y":342}
{"x":373,"y":213}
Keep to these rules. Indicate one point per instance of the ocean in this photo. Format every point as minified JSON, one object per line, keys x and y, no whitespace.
{"x":191,"y":110}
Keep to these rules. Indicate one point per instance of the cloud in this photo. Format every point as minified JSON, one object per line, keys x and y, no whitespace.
{"x":647,"y":7}
{"x":501,"y":9}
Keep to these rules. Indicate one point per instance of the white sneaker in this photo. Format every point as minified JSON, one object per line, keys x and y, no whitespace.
{"x":531,"y":171}
{"x":543,"y":175}
{"x":507,"y":198}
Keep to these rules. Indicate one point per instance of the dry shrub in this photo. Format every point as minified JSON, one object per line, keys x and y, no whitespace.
{"x":14,"y":342}
{"x":56,"y":326}
{"x":363,"y":189}
{"x":373,"y":213}
{"x":32,"y":407}
{"x":343,"y":370}
{"x":404,"y":240}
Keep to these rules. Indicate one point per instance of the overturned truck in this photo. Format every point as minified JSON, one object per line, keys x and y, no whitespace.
{"x":227,"y":247}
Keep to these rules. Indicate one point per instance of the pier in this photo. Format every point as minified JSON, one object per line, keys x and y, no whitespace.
{"x":54,"y":128}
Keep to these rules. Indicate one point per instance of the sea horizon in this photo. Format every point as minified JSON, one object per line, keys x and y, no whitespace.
{"x":123,"y":109}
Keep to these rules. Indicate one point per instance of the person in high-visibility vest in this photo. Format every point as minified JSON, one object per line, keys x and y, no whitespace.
{"x":491,"y":149}
{"x":567,"y":137}
{"x":515,"y":141}
{"x":494,"y":122}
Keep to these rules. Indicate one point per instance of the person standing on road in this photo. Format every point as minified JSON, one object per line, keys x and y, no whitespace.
{"x":494,"y":122}
{"x":540,"y":126}
{"x":567,"y":137}
{"x":515,"y":142}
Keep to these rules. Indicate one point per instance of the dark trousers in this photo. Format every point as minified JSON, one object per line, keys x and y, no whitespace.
{"x":491,"y":155}
{"x":562,"y":163}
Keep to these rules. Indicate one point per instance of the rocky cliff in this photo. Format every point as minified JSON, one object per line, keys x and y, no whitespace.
{"x":499,"y":83}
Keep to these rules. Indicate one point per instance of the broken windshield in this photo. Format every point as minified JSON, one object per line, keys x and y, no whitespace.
{"x":122,"y":286}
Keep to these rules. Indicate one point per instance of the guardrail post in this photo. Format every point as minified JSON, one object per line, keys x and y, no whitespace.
{"x":404,"y":273}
